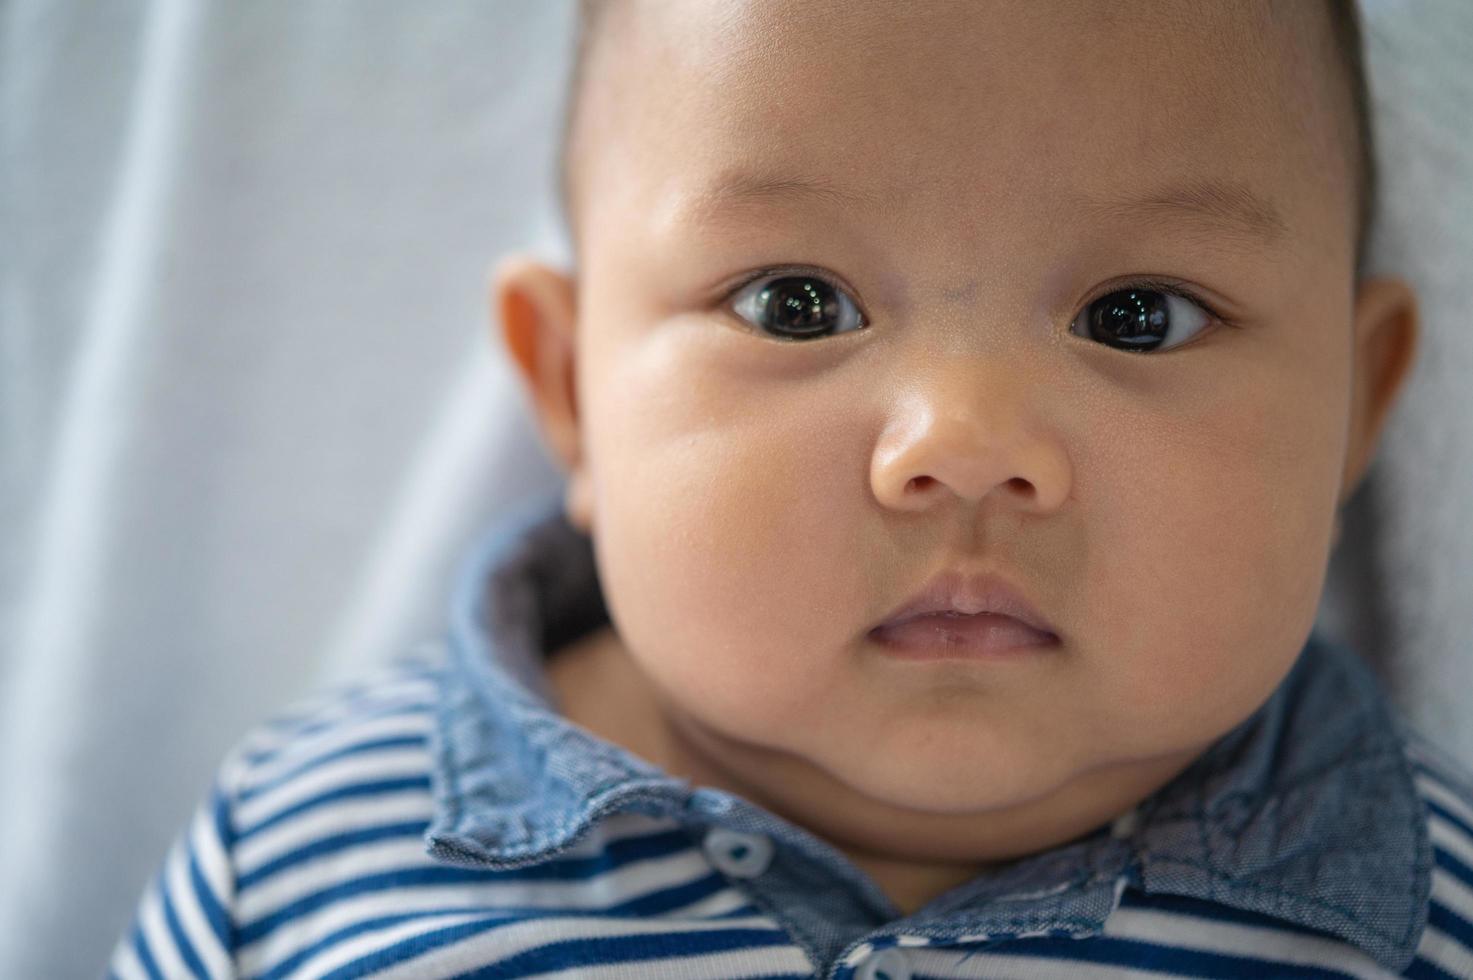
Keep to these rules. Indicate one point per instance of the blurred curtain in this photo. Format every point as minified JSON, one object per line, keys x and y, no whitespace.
{"x":250,"y":402}
{"x":251,"y":408}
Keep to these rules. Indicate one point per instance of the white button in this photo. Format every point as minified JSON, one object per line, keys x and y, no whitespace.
{"x":887,"y":964}
{"x":739,"y":855}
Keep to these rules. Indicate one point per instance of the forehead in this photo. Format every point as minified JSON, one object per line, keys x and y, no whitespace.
{"x":1218,"y":115}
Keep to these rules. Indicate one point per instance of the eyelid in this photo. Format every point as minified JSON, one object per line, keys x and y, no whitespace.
{"x":746,"y":279}
{"x":1155,"y":284}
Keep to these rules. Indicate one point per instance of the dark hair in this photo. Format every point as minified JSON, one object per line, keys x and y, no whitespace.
{"x":1345,"y":22}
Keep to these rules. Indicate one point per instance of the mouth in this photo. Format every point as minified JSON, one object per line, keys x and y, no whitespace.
{"x":957,"y":615}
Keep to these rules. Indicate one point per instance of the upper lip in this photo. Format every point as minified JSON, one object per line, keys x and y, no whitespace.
{"x":956,"y":591}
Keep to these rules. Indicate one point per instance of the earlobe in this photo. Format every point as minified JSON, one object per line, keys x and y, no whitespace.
{"x":535,"y":308}
{"x":578,"y":501}
{"x":1386,"y":332}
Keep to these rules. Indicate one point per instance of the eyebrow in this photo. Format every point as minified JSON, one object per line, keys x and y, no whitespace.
{"x":1217,"y":205}
{"x":734,"y":190}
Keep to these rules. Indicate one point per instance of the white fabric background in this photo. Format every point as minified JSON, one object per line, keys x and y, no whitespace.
{"x":251,"y":409}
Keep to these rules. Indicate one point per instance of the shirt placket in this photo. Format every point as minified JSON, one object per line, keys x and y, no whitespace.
{"x":846,"y":927}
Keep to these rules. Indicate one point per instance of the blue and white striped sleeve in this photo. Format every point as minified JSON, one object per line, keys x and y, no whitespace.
{"x":183,"y":926}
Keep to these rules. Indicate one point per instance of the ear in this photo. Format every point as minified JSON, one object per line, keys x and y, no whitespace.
{"x":1385,"y":336}
{"x":535,"y":307}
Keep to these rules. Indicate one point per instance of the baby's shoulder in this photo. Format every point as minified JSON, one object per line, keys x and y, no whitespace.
{"x":373,"y":728}
{"x":1445,"y":786}
{"x":1442,"y":779}
{"x":321,"y":806}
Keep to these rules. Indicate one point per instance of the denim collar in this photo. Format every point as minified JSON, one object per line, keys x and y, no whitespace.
{"x":1305,"y":812}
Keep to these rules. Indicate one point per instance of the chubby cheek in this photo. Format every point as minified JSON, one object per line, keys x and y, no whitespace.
{"x":1210,"y":538}
{"x":727,"y":554}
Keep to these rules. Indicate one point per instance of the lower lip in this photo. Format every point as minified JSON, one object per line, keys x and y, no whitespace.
{"x":957,"y":636}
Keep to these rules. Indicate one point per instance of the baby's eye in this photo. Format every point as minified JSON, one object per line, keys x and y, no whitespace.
{"x":1141,"y":318}
{"x":796,"y":306}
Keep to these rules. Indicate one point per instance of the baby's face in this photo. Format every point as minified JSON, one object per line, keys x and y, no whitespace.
{"x":960,"y":184}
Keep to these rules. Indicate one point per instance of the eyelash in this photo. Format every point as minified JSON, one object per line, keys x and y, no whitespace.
{"x":1165,"y":286}
{"x":1168,"y":287}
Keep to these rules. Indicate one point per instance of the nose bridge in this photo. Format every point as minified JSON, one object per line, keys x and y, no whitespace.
{"x":972,"y":380}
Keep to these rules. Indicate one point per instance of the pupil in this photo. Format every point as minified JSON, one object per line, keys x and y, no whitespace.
{"x":1131,"y":319}
{"x":798,"y":305}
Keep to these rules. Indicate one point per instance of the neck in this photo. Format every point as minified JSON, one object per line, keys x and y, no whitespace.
{"x":913,"y":856}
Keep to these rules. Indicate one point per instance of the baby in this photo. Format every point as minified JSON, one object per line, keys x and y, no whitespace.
{"x":956,"y":401}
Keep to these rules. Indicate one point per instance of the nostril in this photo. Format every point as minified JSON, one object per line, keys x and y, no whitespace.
{"x":919,"y":483}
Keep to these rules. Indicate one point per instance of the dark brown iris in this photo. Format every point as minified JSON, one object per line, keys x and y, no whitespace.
{"x":1131,"y":319}
{"x":798,"y":305}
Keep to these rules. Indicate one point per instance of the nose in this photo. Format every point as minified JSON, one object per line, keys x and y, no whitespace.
{"x":969,"y":432}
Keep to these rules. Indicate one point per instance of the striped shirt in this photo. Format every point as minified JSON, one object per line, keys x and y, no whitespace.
{"x":440,"y":819}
